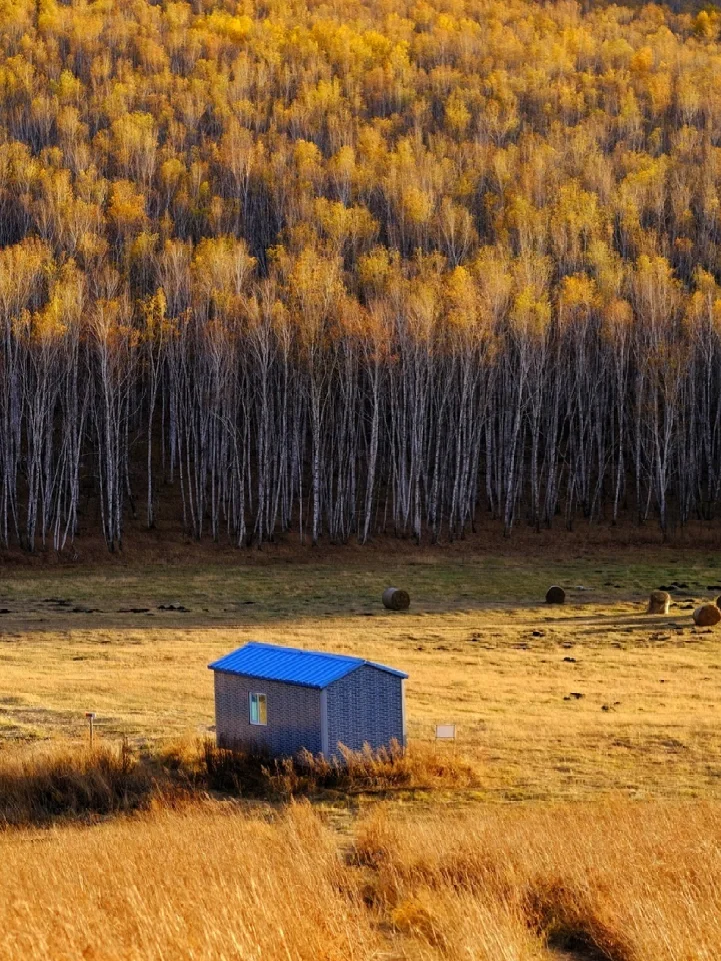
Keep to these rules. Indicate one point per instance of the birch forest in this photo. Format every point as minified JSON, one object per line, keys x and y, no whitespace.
{"x":353,"y":268}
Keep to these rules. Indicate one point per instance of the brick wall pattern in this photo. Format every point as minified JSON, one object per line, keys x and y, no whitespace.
{"x":294,"y":718}
{"x":365,"y":707}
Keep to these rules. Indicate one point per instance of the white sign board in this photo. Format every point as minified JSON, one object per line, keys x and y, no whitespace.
{"x":445,"y":732}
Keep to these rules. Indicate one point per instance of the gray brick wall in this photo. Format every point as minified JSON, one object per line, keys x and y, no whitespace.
{"x":294,"y":715}
{"x":365,"y":706}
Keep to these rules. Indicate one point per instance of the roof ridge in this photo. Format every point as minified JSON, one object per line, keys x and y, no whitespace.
{"x":305,"y":650}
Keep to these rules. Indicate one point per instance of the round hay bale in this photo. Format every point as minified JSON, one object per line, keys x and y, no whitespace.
{"x":395,"y":599}
{"x":659,"y":602}
{"x":555,"y":595}
{"x":718,"y":601}
{"x":707,"y":615}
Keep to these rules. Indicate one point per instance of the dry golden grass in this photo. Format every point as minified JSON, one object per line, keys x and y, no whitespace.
{"x":630,"y":881}
{"x":38,"y":786}
{"x":386,"y":771}
{"x":196,"y":885}
{"x":634,"y":882}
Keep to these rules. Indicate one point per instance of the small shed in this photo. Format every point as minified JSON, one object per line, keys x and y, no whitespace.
{"x":282,"y":699}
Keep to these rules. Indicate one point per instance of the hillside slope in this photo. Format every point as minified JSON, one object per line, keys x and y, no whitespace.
{"x":374,"y":266}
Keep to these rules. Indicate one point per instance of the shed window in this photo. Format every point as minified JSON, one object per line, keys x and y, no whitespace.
{"x":258,"y":709}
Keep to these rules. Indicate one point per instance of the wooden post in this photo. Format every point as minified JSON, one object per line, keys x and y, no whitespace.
{"x":91,"y":718}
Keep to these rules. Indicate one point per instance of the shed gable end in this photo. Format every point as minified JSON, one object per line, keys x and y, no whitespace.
{"x":365,"y":707}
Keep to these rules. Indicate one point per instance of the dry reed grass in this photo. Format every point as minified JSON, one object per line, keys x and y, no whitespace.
{"x":368,"y":771}
{"x":71,"y":781}
{"x":618,"y":881}
{"x":355,"y":772}
{"x":194,"y":885}
{"x":65,"y":781}
{"x":628,"y":882}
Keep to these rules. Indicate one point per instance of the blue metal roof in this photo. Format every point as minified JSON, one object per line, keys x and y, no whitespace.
{"x":271,"y":662}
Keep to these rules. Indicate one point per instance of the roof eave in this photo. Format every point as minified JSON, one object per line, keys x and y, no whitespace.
{"x":388,"y":670}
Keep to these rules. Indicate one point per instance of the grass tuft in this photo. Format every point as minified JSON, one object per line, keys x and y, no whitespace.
{"x":72,"y":782}
{"x":566,"y":919}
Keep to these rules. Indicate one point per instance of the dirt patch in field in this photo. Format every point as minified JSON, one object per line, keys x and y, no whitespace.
{"x":20,"y":722}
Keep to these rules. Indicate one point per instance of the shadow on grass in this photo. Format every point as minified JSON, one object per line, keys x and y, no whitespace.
{"x":73,"y":783}
{"x":570,"y":926}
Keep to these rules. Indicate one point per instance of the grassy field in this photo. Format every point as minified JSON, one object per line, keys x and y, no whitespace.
{"x":613,"y":882}
{"x":593,"y":697}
